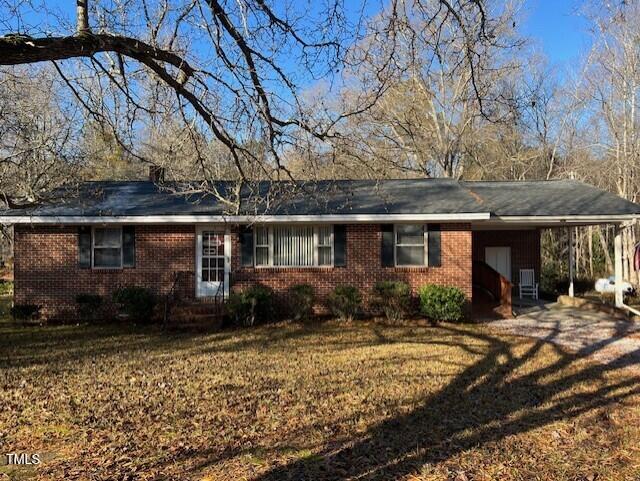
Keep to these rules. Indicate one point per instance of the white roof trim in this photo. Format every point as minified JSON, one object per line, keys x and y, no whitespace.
{"x":479,"y":219}
{"x":244,"y":219}
{"x":565,"y":219}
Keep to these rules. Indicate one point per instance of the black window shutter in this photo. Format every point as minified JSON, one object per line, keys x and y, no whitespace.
{"x":433,"y":247}
{"x":84,"y":247}
{"x":340,"y":245}
{"x":246,"y":246}
{"x":386,"y":251}
{"x":128,"y":246}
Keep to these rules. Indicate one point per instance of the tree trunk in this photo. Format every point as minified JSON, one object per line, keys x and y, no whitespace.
{"x":605,"y":248}
{"x":82,"y":16}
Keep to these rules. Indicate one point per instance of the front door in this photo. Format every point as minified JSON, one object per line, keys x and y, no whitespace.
{"x":499,"y":258}
{"x":213,"y":248}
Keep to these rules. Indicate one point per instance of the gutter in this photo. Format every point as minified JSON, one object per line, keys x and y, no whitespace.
{"x":245,"y":219}
{"x":564,"y":219}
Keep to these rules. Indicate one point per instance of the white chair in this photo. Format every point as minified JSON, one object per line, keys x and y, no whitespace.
{"x":528,"y":285}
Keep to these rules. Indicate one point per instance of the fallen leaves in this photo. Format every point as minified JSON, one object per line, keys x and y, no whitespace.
{"x":327,"y":401}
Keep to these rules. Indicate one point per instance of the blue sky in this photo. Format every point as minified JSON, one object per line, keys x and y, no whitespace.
{"x":557,"y":28}
{"x":554,"y":25}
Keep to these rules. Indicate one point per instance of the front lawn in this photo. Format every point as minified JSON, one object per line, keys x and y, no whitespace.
{"x":330,"y":401}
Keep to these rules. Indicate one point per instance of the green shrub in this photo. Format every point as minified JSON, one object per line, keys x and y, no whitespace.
{"x":344,"y":302}
{"x":135,"y":302}
{"x":89,"y":305}
{"x":302,"y":297}
{"x":238,"y":309}
{"x":442,"y":303}
{"x":25,"y":312}
{"x":555,"y":282}
{"x":580,"y":286}
{"x":6,"y":288}
{"x":550,"y":274}
{"x":392,"y":298}
{"x":252,"y":306}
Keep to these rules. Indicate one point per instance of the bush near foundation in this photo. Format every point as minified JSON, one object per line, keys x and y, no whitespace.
{"x":302,"y":298}
{"x":89,"y":306}
{"x":136,"y":303}
{"x":252,"y":306}
{"x":393,"y":299}
{"x":25,"y":312}
{"x":442,"y":303}
{"x":344,"y":302}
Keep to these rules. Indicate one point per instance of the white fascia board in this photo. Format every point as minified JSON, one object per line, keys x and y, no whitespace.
{"x":245,"y":219}
{"x":565,"y":219}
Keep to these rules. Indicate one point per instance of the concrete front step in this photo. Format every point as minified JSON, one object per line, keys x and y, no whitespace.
{"x":196,"y":311}
{"x":179,"y":317}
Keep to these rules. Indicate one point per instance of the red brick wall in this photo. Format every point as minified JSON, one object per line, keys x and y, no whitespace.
{"x":47,"y":272}
{"x":525,"y":248}
{"x":364,"y":267}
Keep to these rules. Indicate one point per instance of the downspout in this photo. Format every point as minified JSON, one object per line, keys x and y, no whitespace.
{"x":619,"y":295}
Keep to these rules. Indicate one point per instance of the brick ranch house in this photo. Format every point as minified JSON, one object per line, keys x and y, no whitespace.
{"x":473,"y":235}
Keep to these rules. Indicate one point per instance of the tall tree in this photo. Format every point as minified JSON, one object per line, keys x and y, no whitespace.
{"x":235,"y":68}
{"x":39,"y":135}
{"x":612,"y":80}
{"x":425,"y":121}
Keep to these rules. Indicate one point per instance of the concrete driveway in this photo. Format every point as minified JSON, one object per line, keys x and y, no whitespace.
{"x":593,"y":334}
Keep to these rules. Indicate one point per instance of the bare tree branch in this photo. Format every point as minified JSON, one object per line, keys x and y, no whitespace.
{"x":21,"y":49}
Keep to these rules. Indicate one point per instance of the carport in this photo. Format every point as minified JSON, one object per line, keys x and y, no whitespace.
{"x":517,"y":217}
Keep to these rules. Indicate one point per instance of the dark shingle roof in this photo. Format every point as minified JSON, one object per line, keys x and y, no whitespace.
{"x":411,"y":196}
{"x":548,"y":198}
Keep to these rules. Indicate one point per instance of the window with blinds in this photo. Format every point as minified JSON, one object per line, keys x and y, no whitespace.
{"x":294,"y":246}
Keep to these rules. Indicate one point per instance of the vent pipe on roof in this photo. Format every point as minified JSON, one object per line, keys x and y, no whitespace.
{"x":156,"y":174}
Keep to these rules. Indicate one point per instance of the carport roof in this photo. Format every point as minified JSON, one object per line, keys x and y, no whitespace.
{"x":548,"y":198}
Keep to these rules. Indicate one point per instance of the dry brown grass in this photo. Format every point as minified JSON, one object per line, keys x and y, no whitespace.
{"x":328,"y":401}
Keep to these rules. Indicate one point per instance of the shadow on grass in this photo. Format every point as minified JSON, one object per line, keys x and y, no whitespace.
{"x":27,"y":346}
{"x":487,"y":402}
{"x":497,"y":396}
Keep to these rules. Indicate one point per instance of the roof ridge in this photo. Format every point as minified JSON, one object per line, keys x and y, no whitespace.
{"x":422,"y":179}
{"x":529,"y":181}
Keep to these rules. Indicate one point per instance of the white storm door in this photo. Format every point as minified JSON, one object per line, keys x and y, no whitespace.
{"x":213,"y":256}
{"x":499,"y":258}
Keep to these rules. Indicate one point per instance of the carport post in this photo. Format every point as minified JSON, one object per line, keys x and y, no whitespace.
{"x":619,"y":297}
{"x":571,"y":262}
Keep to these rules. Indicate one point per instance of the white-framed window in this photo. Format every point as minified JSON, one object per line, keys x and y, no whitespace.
{"x":107,"y":247}
{"x":324,"y":242}
{"x":410,"y":245}
{"x":212,"y":256}
{"x":293,"y":246}
{"x":262,"y":246}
